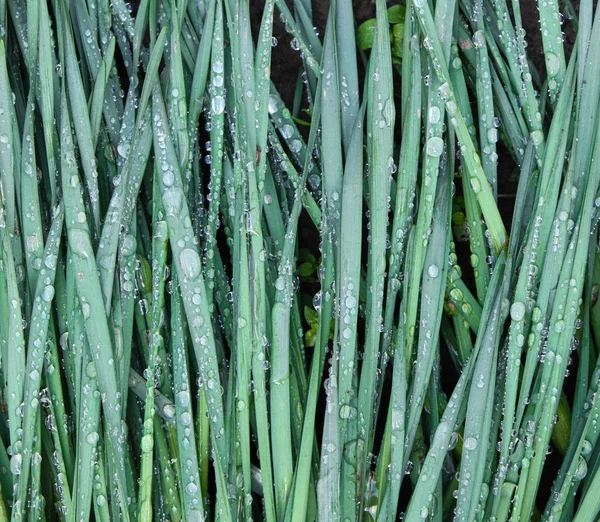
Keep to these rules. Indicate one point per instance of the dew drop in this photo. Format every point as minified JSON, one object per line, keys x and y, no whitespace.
{"x":435,"y":146}
{"x":190,"y":263}
{"x":433,"y":271}
{"x":15,"y":464}
{"x":581,"y":470}
{"x":347,"y":412}
{"x":217,"y":105}
{"x":287,"y":131}
{"x":169,"y":411}
{"x":147,"y":443}
{"x":470,"y":443}
{"x":48,"y":293}
{"x":552,"y":64}
{"x":434,"y":114}
{"x":517,"y":311}
{"x":123,"y":150}
{"x":183,"y":399}
{"x":86,"y":309}
{"x":350,"y":301}
{"x":273,"y":105}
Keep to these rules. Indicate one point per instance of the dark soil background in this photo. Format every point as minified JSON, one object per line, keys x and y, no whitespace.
{"x":286,"y":62}
{"x":285,"y":67}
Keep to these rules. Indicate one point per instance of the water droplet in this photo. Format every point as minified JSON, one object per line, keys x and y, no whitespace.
{"x":434,"y":114}
{"x":435,"y":146}
{"x":168,"y":178}
{"x":15,"y":464}
{"x":581,"y":470}
{"x":433,"y":271}
{"x":90,"y":370}
{"x":217,"y":80}
{"x":50,"y":261}
{"x":48,"y":293}
{"x":475,"y":185}
{"x":190,"y":263}
{"x":347,"y":412}
{"x":217,"y":105}
{"x":537,"y":137}
{"x":191,"y":488}
{"x":456,"y":295}
{"x":123,"y":150}
{"x":453,"y":441}
{"x":147,"y":443}
{"x":169,"y":411}
{"x":552,"y":64}
{"x":317,"y":301}
{"x":478,"y":39}
{"x":470,"y":443}
{"x":280,"y":283}
{"x":86,"y":309}
{"x":287,"y":131}
{"x":296,"y":146}
{"x":274,"y":104}
{"x":183,"y":399}
{"x":517,"y":311}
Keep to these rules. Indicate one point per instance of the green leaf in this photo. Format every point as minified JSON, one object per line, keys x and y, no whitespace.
{"x":365,"y":34}
{"x":397,"y":40}
{"x":311,"y":317}
{"x":306,"y":269}
{"x":396,"y":14}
